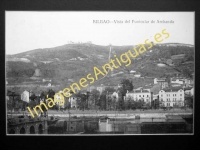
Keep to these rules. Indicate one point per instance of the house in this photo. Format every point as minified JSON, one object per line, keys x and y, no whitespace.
{"x":115,"y":95}
{"x":59,"y":100}
{"x":189,"y":91}
{"x":25,"y":96}
{"x":73,"y":59}
{"x":82,"y":58}
{"x":181,"y":80}
{"x":46,"y":80}
{"x":72,"y":101}
{"x":172,"y":97}
{"x":140,"y":95}
{"x":176,"y":85}
{"x":162,"y":82}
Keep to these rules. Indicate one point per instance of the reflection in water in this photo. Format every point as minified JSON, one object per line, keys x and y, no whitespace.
{"x":111,"y":125}
{"x":105,"y":125}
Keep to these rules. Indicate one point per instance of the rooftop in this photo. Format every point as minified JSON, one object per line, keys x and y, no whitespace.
{"x":172,"y":89}
{"x":140,"y":91}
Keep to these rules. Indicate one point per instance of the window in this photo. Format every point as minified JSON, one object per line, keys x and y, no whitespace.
{"x":180,"y":94}
{"x":147,"y":95}
{"x":143,"y":95}
{"x":161,"y":95}
{"x":139,"y":95}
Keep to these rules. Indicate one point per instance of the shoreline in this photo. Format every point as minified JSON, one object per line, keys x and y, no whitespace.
{"x":128,"y":116}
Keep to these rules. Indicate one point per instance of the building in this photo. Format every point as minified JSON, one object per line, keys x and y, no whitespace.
{"x":72,"y":101}
{"x":162,"y":82}
{"x":59,"y":100}
{"x":101,"y":88}
{"x":172,"y":97}
{"x":181,"y":80}
{"x":75,"y":125}
{"x":25,"y":96}
{"x":189,"y":91}
{"x":140,"y":95}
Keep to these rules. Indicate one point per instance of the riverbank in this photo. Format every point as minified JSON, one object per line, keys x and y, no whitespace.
{"x":121,"y":114}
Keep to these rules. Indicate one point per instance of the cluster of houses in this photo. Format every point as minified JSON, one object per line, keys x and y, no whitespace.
{"x":168,"y":92}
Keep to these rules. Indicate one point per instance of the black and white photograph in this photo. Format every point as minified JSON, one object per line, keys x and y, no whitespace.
{"x":88,"y":73}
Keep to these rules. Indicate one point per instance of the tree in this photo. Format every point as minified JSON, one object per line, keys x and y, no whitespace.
{"x":189,"y":101}
{"x":81,"y":100}
{"x":187,"y":73}
{"x":94,"y":98}
{"x":103,"y":100}
{"x":127,"y":85}
{"x":109,"y":102}
{"x":128,"y":103}
{"x":113,"y":102}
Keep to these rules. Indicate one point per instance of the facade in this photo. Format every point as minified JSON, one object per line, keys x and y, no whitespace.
{"x":140,"y":95}
{"x":189,"y":91}
{"x":162,"y":82}
{"x":75,"y":125}
{"x":101,"y":88}
{"x":25,"y":96}
{"x":181,"y":80}
{"x":60,"y":100}
{"x":72,"y":101}
{"x":172,"y":97}
{"x":26,"y":125}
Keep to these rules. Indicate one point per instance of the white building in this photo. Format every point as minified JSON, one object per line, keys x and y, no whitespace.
{"x":181,"y":80}
{"x":115,"y":94}
{"x":162,"y":82}
{"x":189,"y":91}
{"x":59,"y":100}
{"x":172,"y":97}
{"x":25,"y":96}
{"x":72,"y":101}
{"x":140,"y":95}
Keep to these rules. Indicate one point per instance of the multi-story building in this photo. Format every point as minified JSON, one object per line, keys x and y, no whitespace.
{"x":181,"y":80}
{"x":162,"y":82}
{"x":140,"y":95}
{"x":172,"y":97}
{"x":189,"y":91}
{"x":73,"y":102}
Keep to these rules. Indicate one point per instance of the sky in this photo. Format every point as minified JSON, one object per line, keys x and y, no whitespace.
{"x":28,"y":30}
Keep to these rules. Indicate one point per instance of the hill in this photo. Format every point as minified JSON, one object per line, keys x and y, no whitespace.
{"x":73,"y":61}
